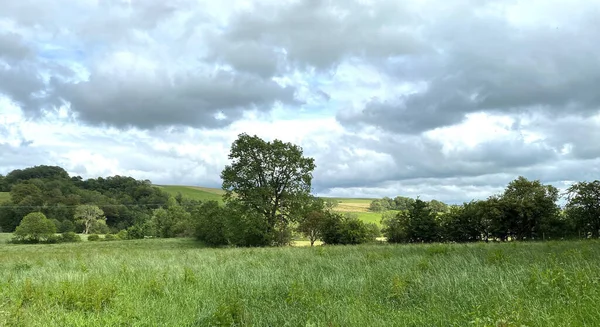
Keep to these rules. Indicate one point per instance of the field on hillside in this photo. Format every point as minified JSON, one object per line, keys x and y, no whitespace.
{"x":359,"y":207}
{"x":194,"y":192}
{"x":174,"y":282}
{"x":4,"y":196}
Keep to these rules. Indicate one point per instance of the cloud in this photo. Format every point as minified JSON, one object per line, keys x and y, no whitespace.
{"x":486,"y":63}
{"x":443,"y":99}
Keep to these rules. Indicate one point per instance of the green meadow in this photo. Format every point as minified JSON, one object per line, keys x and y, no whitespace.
{"x":195,"y":192}
{"x":176,"y":282}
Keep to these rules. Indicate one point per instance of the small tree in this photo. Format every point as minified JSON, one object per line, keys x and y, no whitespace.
{"x":88,"y":215}
{"x":310,"y":225}
{"x":35,"y":227}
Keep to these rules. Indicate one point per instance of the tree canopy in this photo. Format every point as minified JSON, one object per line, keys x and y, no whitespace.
{"x":267,"y":178}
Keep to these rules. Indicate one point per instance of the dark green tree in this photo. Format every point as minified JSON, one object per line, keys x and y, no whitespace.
{"x":583,"y":207}
{"x":462,"y":223}
{"x":528,"y":206}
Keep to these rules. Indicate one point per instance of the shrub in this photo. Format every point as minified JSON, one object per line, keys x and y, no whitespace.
{"x":93,"y":237}
{"x":122,"y":234}
{"x":353,"y":231}
{"x":66,"y":226}
{"x":35,"y":227}
{"x":70,"y":237}
{"x":110,"y":237}
{"x":373,"y":232}
{"x":348,"y":229}
{"x":56,"y":223}
{"x":53,"y":239}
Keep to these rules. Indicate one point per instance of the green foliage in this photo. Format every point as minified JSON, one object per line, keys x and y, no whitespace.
{"x":66,"y":226}
{"x":122,"y":235}
{"x":416,"y":225}
{"x":110,"y":237}
{"x":583,"y":208}
{"x":395,"y":226}
{"x":70,"y":237}
{"x":35,"y":227}
{"x":50,"y":190}
{"x":397,"y":203}
{"x":230,"y":225}
{"x":93,"y":237}
{"x":90,"y":216}
{"x":345,"y":229}
{"x":463,"y":223}
{"x":211,"y":224}
{"x":172,"y":221}
{"x":528,"y":205}
{"x":267,"y":179}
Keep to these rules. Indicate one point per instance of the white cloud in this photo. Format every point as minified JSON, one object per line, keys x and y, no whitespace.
{"x":446,"y":100}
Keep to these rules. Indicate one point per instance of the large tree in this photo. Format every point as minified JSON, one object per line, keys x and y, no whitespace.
{"x":268,"y":178}
{"x":88,"y":215}
{"x":528,"y":206}
{"x":583,"y":207}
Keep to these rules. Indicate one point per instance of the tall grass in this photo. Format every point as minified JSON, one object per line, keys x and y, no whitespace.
{"x":175,"y":282}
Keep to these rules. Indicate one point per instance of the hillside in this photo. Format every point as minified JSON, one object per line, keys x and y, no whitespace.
{"x":194,"y":192}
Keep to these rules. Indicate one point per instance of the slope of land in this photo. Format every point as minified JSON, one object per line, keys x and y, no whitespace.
{"x":4,"y":196}
{"x":194,"y":192}
{"x":174,"y":282}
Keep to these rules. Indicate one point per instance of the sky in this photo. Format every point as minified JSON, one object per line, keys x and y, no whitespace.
{"x":441,"y":99}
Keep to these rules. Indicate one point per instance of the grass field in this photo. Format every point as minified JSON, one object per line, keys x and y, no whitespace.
{"x":194,"y":192}
{"x":4,"y":196}
{"x":174,"y":282}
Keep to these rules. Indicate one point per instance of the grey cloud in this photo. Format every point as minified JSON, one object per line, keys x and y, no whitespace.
{"x":415,"y":157}
{"x":485,"y":64}
{"x":573,"y":133}
{"x":191,"y":100}
{"x":12,"y":47}
{"x":16,"y":157}
{"x":323,"y":33}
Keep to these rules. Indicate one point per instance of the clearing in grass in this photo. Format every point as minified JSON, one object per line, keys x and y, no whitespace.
{"x":175,"y":282}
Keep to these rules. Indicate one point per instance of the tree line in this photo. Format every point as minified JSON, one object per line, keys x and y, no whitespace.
{"x":268,"y":202}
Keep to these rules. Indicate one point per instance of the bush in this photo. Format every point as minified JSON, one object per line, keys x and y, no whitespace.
{"x":346,"y":229}
{"x":70,"y":237}
{"x":122,"y":234}
{"x":211,"y":224}
{"x":93,"y":237}
{"x":373,"y":232}
{"x":110,"y":237}
{"x":35,"y":227}
{"x":53,"y":239}
{"x":353,"y":231}
{"x":66,"y":226}
{"x":56,"y":223}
